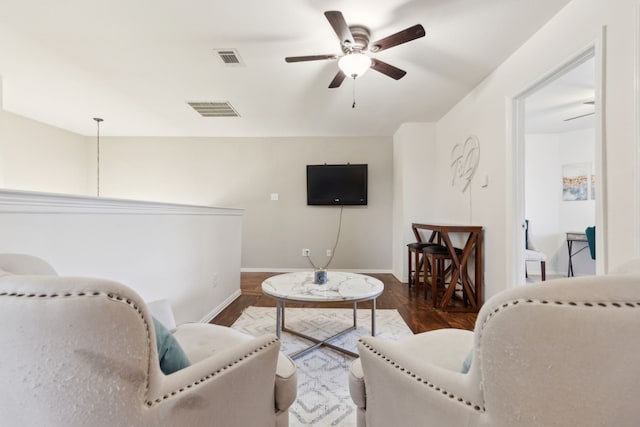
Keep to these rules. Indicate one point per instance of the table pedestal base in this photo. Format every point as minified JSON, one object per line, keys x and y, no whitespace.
{"x":280,"y":327}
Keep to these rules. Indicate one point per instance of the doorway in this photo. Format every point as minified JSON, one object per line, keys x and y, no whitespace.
{"x":558,"y":169}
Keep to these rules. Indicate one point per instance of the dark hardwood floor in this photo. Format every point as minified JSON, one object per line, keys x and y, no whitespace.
{"x":410,"y":303}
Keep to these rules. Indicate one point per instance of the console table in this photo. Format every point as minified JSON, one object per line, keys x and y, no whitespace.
{"x":472,"y":289}
{"x":575,"y":236}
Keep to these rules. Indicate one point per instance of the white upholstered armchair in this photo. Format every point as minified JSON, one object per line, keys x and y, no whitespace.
{"x":563,"y":353}
{"x":82,"y":352}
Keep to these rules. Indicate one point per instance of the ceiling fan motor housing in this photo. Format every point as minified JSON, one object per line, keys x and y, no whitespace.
{"x":361,"y":37}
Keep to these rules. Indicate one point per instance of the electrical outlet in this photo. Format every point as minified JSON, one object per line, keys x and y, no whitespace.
{"x":328,"y":252}
{"x":306,"y":252}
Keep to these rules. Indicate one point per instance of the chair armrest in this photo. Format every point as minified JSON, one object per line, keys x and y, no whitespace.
{"x":418,"y":379}
{"x":200,"y":340}
{"x":232,"y":387}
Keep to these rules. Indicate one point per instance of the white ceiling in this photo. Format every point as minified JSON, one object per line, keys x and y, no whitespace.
{"x":559,"y":106}
{"x":137,"y":63}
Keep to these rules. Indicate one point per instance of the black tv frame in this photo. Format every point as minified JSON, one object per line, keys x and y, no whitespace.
{"x":337,"y":185}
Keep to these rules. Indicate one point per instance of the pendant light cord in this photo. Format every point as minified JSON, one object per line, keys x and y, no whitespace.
{"x":98,"y":120}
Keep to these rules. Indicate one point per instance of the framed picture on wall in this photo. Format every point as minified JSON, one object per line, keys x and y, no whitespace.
{"x":575,"y":181}
{"x":593,"y":186}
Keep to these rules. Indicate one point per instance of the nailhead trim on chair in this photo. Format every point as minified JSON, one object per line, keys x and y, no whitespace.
{"x":422,"y":380}
{"x":109,"y":295}
{"x":545,"y":302}
{"x":481,"y":408}
{"x":128,"y":301}
{"x":213,"y":374}
{"x":570,"y":303}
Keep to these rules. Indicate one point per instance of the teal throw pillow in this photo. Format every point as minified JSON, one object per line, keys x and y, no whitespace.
{"x":171,"y":356}
{"x":466,"y":365}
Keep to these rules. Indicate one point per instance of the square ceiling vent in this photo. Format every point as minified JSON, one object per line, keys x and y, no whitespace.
{"x":214,"y":109}
{"x":229,"y":57}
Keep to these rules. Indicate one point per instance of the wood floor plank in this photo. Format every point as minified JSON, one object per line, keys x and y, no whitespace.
{"x":416,"y":311}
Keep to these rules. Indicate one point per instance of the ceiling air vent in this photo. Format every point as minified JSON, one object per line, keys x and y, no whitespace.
{"x":214,"y":109}
{"x":229,"y":57}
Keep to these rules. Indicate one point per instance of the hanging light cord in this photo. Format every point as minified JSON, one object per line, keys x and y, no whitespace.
{"x":333,"y":251}
{"x":98,"y":120}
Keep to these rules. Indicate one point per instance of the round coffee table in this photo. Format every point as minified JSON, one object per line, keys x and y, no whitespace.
{"x":340,"y":287}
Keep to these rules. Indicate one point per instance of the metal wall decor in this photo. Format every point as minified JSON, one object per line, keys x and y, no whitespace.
{"x":464,"y":162}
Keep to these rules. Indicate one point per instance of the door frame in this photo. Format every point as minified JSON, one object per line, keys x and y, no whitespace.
{"x":515,"y":159}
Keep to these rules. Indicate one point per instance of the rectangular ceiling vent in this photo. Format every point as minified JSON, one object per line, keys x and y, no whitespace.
{"x":214,"y":109}
{"x":229,"y":57}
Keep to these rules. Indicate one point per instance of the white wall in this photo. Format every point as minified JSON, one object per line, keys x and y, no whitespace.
{"x":2,"y":138}
{"x":414,"y":147}
{"x":244,"y":172}
{"x":486,"y":111}
{"x":550,"y":217}
{"x":189,"y":255}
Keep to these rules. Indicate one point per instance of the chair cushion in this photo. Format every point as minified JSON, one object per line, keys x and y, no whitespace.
{"x":530,"y":255}
{"x":466,"y":365}
{"x":591,"y":239}
{"x":441,"y":250}
{"x":170,"y":355}
{"x":420,"y":245}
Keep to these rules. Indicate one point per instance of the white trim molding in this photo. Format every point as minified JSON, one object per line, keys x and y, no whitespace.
{"x":213,"y":313}
{"x":515,"y":160}
{"x":25,"y":202}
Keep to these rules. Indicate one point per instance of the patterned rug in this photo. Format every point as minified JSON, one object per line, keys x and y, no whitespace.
{"x":323,"y":374}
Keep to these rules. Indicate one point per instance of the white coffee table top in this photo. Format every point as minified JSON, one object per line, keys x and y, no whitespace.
{"x":340,"y":286}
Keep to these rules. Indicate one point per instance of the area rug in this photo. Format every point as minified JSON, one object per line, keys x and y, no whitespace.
{"x":323,"y":374}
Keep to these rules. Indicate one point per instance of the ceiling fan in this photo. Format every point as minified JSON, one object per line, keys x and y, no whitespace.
{"x":354,"y":41}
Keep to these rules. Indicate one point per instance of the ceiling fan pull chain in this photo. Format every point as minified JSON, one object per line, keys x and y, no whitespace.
{"x":354,"y":94}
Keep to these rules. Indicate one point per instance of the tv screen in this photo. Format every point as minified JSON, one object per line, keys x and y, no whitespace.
{"x":337,"y":184}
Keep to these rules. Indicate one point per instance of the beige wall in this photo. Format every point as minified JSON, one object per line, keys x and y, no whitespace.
{"x":244,"y":172}
{"x":39,"y":157}
{"x":222,"y":172}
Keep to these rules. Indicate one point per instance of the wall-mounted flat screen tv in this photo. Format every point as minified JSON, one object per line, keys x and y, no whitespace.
{"x":337,"y":184}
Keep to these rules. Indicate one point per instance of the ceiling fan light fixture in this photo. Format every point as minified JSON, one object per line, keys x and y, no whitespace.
{"x":354,"y":64}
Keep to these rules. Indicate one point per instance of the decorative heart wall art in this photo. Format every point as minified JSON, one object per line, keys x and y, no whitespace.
{"x":464,"y":161}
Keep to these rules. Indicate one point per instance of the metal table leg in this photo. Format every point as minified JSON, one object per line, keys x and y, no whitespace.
{"x":280,"y":327}
{"x":373,"y":317}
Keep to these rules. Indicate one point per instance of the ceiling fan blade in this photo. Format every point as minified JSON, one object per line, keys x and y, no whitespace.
{"x":337,"y":80}
{"x":400,"y":37}
{"x":579,"y":117}
{"x":340,"y":26}
{"x":309,"y":58}
{"x":388,"y":69}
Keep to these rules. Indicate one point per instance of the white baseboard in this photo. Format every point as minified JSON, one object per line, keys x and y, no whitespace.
{"x":220,"y":307}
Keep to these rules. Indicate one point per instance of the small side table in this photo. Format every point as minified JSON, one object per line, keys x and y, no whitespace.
{"x":574,"y":236}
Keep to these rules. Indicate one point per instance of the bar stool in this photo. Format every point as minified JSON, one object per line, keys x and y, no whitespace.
{"x":436,"y":256}
{"x":414,"y":253}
